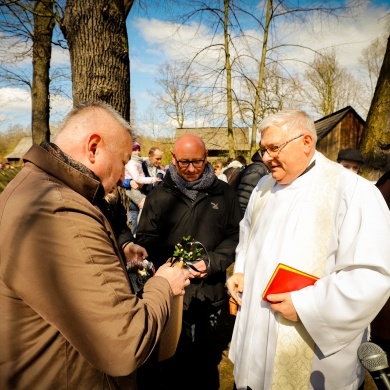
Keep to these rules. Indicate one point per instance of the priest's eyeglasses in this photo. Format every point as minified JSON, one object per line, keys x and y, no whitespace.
{"x":184,"y":164}
{"x":274,"y":150}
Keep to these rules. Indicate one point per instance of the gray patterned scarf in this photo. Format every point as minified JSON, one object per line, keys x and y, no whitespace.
{"x":192,"y":188}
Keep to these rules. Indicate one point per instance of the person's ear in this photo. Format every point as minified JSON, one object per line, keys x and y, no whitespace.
{"x":173,"y":159}
{"x":308,"y":141}
{"x":93,"y":145}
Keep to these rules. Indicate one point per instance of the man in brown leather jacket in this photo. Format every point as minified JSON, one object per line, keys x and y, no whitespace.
{"x":69,"y":317}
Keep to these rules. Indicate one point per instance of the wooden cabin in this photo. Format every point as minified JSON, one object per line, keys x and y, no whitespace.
{"x":340,"y":130}
{"x":216,"y":140}
{"x":21,"y":148}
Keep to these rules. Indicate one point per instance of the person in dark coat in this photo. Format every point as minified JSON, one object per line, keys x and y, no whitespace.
{"x":192,"y":201}
{"x":380,"y":329}
{"x":351,"y":159}
{"x":232,"y":172}
{"x":249,"y":179}
{"x":114,"y":210}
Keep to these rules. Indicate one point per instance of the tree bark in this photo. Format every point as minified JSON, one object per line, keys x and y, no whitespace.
{"x":98,"y":45}
{"x":259,"y":87}
{"x":42,"y":38}
{"x":229,"y":89}
{"x":375,"y":145}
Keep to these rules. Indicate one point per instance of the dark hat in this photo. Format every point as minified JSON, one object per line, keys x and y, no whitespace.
{"x":136,"y":146}
{"x":350,"y":154}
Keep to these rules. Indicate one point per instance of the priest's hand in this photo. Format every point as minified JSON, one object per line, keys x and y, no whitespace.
{"x":235,"y":285}
{"x":282,"y":303}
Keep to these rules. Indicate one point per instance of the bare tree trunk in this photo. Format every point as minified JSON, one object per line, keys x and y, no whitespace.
{"x":42,"y":38}
{"x":375,"y":145}
{"x":229,"y":91}
{"x":260,"y":81}
{"x":98,"y":44}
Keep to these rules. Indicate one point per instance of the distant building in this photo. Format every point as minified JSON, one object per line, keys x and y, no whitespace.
{"x":21,"y":148}
{"x":216,"y":140}
{"x":340,"y":130}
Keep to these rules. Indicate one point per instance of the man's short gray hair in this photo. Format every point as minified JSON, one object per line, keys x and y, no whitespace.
{"x":90,"y":105}
{"x":290,"y":121}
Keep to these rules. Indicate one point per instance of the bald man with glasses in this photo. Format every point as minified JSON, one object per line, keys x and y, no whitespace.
{"x":313,"y":215}
{"x":193,"y":202}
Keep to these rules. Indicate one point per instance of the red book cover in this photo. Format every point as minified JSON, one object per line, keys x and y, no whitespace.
{"x":286,"y":279}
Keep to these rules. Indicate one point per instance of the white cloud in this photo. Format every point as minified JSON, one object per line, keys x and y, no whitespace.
{"x":139,"y":65}
{"x":14,"y":52}
{"x":348,"y":34}
{"x":15,"y":108}
{"x":15,"y":100}
{"x":173,"y":40}
{"x":59,"y":107}
{"x":59,"y":57}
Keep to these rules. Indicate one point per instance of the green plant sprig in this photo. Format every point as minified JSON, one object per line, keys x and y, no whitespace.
{"x":186,"y":250}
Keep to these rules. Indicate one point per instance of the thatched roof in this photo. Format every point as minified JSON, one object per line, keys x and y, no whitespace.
{"x":216,"y":138}
{"x":326,"y":124}
{"x":21,"y":148}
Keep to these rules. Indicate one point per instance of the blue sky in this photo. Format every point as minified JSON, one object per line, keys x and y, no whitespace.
{"x":152,"y":41}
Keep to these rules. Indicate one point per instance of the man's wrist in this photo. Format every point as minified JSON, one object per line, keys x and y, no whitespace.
{"x":126,"y":244}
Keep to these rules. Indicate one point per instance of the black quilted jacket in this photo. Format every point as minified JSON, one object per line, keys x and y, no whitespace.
{"x":249,"y":179}
{"x":213,"y":219}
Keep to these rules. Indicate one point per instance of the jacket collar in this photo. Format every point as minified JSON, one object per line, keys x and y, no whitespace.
{"x":73,"y":174}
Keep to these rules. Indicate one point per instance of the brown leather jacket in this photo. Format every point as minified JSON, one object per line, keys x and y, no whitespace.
{"x":69,"y":319}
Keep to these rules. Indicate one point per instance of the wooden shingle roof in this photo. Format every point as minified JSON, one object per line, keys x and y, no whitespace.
{"x":216,"y":138}
{"x":326,"y":124}
{"x":21,"y":148}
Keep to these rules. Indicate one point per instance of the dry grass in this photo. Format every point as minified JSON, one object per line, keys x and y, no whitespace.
{"x":225,"y":367}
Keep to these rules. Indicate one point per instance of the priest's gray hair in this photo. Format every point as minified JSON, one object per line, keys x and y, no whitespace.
{"x":290,"y":121}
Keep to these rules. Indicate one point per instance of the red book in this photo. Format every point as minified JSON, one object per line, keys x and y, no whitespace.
{"x":286,"y":279}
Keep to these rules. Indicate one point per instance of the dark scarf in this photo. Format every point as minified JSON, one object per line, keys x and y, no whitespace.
{"x":192,"y":188}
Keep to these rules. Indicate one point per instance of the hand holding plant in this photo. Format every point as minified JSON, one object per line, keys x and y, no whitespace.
{"x":188,"y":252}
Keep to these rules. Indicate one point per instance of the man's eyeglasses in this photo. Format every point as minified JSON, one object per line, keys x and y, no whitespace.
{"x":184,"y":164}
{"x":273,"y":151}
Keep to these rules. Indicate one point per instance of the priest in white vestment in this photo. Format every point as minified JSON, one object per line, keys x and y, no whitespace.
{"x":314,"y":215}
